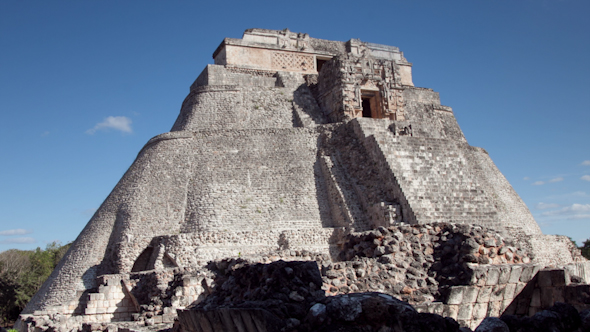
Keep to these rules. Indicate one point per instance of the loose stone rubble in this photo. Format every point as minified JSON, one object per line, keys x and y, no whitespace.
{"x":285,"y":296}
{"x":301,"y":149}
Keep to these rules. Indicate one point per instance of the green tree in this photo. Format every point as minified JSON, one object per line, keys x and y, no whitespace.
{"x":21,"y":275}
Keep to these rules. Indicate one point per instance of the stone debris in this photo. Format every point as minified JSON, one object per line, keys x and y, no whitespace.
{"x":417,"y":263}
{"x":258,"y":295}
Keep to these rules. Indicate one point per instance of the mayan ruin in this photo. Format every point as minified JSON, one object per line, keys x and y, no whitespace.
{"x":308,"y":185}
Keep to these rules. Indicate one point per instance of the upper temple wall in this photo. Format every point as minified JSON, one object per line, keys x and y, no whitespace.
{"x":256,"y":82}
{"x":283,"y":50}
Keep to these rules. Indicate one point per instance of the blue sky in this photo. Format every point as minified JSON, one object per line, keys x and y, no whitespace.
{"x":85,"y":84}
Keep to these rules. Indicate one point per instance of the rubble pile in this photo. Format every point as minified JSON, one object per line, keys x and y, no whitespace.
{"x":284,"y":288}
{"x":417,"y":263}
{"x":285,"y":296}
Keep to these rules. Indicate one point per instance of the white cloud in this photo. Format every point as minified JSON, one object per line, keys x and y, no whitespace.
{"x":574,"y":211}
{"x":579,"y":216}
{"x":121,"y":123}
{"x":585,"y":178}
{"x":556,"y":179}
{"x":586,"y":163}
{"x":18,"y":240}
{"x":526,"y":178}
{"x":538,"y":183}
{"x":544,"y":206}
{"x":17,"y":231}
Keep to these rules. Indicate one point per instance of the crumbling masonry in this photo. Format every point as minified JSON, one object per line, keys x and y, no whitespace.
{"x":291,"y":147}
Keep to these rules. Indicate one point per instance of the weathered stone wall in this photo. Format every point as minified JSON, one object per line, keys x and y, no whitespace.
{"x":209,"y":181}
{"x":428,"y":117}
{"x":227,"y":75}
{"x":233,"y":107}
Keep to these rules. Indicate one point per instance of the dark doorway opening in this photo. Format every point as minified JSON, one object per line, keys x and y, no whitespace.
{"x":320,"y":63}
{"x":366,"y":108}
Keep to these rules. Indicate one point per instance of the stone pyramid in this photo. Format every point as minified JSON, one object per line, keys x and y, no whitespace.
{"x":287,"y":142}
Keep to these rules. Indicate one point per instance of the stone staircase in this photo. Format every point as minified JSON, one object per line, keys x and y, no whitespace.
{"x":433,"y":174}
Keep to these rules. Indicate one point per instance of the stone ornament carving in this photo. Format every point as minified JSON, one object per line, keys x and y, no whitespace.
{"x":294,"y":41}
{"x":362,"y":73}
{"x":292,"y":61}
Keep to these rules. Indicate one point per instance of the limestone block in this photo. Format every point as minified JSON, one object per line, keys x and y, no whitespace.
{"x":493,"y":277}
{"x":451,"y":310}
{"x":436,"y":308}
{"x":509,"y":291}
{"x":480,"y":310}
{"x":95,"y":296}
{"x":168,"y":318}
{"x":505,"y":272}
{"x":90,"y":311}
{"x":484,"y":294}
{"x":515,"y":273}
{"x":455,"y":295}
{"x":470,"y":294}
{"x":497,"y":293}
{"x":465,"y":311}
{"x":527,"y":273}
{"x":494,"y":309}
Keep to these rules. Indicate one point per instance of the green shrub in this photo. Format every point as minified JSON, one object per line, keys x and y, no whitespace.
{"x":22,"y":272}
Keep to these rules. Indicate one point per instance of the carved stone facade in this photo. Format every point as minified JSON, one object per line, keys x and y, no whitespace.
{"x":352,"y":86}
{"x":360,"y":80}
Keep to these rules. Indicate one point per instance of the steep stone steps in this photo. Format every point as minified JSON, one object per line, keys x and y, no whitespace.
{"x":434,"y":175}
